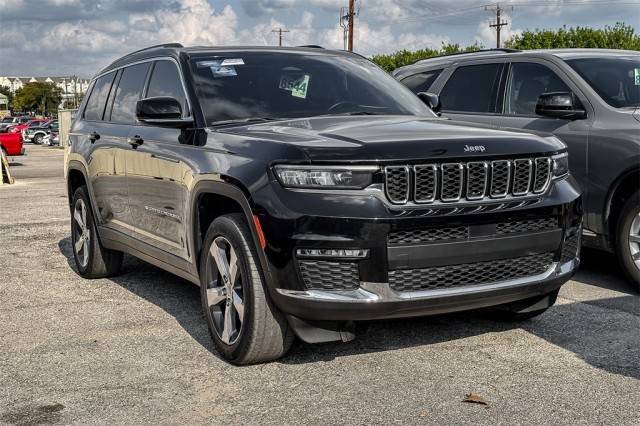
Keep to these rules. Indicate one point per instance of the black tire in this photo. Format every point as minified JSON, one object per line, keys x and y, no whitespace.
{"x":630,"y":213}
{"x":100,"y":262}
{"x":37,"y":138}
{"x":264,"y":333}
{"x":521,"y":310}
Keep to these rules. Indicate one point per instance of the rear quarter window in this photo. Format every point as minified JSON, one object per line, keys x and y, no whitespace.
{"x":98,"y":97}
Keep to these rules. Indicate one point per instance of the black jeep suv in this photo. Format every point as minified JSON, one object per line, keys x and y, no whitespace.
{"x":304,"y":189}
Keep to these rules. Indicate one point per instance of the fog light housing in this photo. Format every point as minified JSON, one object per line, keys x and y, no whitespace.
{"x":332,"y":253}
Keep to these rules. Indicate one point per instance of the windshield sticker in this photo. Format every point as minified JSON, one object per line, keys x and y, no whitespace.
{"x":219,"y":68}
{"x":229,"y":62}
{"x":636,"y":76}
{"x":297,"y":84}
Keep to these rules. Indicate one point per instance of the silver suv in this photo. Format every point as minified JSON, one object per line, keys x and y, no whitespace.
{"x":589,"y":98}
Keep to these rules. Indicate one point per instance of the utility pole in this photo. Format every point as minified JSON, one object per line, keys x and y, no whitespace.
{"x":279,"y":31}
{"x":347,"y":18}
{"x":498,"y":24}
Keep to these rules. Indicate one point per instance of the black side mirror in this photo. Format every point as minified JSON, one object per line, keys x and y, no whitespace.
{"x":560,"y":105}
{"x":432,"y":100}
{"x":161,"y":110}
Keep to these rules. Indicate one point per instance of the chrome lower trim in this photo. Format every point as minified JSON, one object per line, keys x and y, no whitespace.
{"x":370,"y":292}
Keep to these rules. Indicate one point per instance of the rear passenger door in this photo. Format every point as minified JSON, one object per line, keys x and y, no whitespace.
{"x":156,"y":172}
{"x":470,"y":93}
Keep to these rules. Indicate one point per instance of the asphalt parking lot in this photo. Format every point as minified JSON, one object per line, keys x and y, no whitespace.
{"x":135,"y":349}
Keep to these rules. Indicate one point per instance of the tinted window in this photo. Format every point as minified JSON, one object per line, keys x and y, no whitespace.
{"x":128,"y":93}
{"x":240,"y":85}
{"x":472,"y":88}
{"x":95,"y":104}
{"x":527,"y":81}
{"x":165,"y":81}
{"x":421,"y":82}
{"x":616,"y":80}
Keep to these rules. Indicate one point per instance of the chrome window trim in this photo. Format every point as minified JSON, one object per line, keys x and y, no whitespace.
{"x":486,"y":179}
{"x":386,"y":185}
{"x":154,"y":59}
{"x":416,"y":169}
{"x":460,"y":167}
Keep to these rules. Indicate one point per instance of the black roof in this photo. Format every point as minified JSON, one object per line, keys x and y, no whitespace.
{"x":174,"y":50}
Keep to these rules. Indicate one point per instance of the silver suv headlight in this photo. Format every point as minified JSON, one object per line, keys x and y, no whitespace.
{"x":325,"y":177}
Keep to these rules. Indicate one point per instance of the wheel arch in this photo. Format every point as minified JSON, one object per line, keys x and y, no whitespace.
{"x":205,"y":206}
{"x":627,"y":183}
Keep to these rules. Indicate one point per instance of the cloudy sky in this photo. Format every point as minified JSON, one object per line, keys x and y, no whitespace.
{"x":65,"y":37}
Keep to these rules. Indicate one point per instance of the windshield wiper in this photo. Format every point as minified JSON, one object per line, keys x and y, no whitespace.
{"x":244,"y":121}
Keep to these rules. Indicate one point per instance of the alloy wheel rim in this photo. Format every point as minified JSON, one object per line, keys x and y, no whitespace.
{"x":224,"y":295}
{"x":634,"y":240}
{"x":82,"y":236}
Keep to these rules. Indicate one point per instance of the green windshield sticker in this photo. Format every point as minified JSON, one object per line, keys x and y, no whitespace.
{"x":297,"y":84}
{"x":636,"y":76}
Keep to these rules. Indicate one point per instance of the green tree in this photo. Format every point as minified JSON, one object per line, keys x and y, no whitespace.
{"x":406,"y":57}
{"x":38,"y":96}
{"x":620,"y":36}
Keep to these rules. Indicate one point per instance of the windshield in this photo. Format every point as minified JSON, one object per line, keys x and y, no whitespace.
{"x":267,"y":85}
{"x":616,"y":80}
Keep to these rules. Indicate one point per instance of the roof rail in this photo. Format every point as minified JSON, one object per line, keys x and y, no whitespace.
{"x":156,"y":46}
{"x":312,"y":46}
{"x":470,"y":52}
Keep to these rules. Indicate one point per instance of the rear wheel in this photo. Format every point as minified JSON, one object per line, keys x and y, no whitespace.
{"x":245,"y":325}
{"x":522,"y":310}
{"x":92,"y":259}
{"x":628,"y":239}
{"x":37,"y":139}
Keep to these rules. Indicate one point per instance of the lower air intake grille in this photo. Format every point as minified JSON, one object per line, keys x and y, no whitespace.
{"x":469,"y":274}
{"x":571,"y":247}
{"x":533,"y":225}
{"x":428,"y":235}
{"x":330,"y":275}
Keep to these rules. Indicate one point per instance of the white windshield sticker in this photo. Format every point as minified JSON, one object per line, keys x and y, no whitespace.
{"x":218,"y":68}
{"x":296,"y":83}
{"x":228,"y":62}
{"x":636,"y":76}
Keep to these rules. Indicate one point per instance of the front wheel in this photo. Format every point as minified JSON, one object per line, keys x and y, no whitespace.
{"x":245,"y":325}
{"x":37,"y":139}
{"x":628,"y":239}
{"x":92,"y":259}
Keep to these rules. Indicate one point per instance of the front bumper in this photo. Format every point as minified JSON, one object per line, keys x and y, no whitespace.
{"x":300,"y":220}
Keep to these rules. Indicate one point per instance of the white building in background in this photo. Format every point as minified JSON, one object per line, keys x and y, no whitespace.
{"x":70,"y":85}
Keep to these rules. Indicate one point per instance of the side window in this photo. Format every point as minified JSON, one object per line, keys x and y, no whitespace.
{"x":472,"y":88}
{"x":165,"y":81}
{"x":98,"y":97}
{"x":421,"y":82}
{"x":128,"y":93}
{"x":526,"y":82}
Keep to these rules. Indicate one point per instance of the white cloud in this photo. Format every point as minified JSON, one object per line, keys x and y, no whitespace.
{"x":486,"y":35}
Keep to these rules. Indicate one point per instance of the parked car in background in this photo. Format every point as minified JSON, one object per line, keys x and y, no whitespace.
{"x":304,"y":189}
{"x":9,"y":122}
{"x":53,"y":138}
{"x":11,"y":144}
{"x":32,"y":122}
{"x":589,"y":98}
{"x":36,"y":133}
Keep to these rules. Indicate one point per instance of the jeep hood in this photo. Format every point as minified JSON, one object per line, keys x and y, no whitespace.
{"x":388,"y":138}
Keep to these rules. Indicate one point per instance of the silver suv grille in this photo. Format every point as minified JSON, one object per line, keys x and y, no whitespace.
{"x":472,"y":181}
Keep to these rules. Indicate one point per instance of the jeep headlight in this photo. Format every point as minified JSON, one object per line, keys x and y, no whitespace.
{"x":560,"y":165}
{"x":325,"y":177}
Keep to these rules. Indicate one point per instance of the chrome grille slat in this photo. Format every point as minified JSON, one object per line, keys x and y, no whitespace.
{"x":467,"y":181}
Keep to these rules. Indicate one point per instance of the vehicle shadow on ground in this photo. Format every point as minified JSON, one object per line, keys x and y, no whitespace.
{"x":607,"y":339}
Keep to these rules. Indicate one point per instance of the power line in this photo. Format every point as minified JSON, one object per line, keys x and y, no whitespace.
{"x":498,"y":24}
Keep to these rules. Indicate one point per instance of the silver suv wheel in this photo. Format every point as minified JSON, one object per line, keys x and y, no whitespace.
{"x":634,"y":240}
{"x":82,"y":235}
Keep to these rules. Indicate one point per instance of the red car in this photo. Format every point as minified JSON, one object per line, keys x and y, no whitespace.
{"x":23,"y":126}
{"x":11,"y":144}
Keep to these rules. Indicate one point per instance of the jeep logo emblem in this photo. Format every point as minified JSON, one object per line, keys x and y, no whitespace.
{"x":475,"y":148}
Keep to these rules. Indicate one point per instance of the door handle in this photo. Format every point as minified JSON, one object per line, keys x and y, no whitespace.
{"x":135,"y":141}
{"x":93,"y":136}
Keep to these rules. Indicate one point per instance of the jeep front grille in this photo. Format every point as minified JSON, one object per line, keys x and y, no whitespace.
{"x":471,"y":181}
{"x":325,"y":275}
{"x":469,"y":274}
